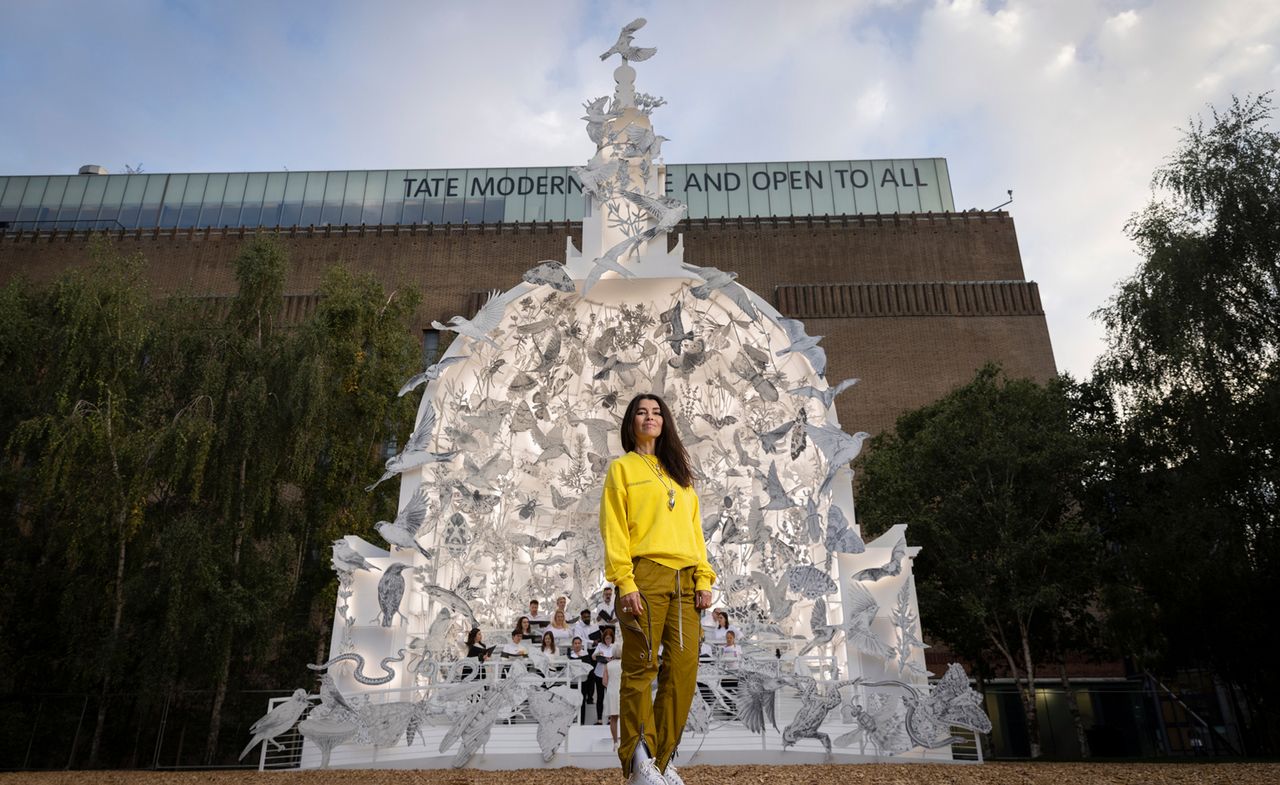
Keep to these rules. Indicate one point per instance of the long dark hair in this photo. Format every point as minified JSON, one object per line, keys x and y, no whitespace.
{"x":668,"y":448}
{"x":546,"y":635}
{"x":471,"y":636}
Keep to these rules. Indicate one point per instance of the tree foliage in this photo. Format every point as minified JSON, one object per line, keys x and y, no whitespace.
{"x":989,"y":480}
{"x":176,"y":476}
{"x":1193,"y":365}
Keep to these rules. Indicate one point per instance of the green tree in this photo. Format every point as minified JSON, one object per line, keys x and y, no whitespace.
{"x":988,"y":479}
{"x":176,"y":472}
{"x":99,"y":435}
{"x":1193,"y":364}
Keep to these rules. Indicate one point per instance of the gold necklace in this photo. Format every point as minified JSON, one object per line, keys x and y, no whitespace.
{"x":654,"y":467}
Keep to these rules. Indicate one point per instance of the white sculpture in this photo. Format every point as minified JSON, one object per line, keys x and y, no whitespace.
{"x":530,"y":396}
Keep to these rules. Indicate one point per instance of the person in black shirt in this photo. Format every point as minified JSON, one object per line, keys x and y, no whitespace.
{"x":477,"y":649}
{"x":577,"y":652}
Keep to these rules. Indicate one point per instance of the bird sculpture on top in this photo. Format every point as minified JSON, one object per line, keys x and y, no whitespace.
{"x":634,"y":54}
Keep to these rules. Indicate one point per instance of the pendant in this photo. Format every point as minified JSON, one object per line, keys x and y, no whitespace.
{"x":671,"y":499}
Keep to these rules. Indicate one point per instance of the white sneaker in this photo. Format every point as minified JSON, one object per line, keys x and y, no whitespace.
{"x":671,"y":775}
{"x":646,"y":773}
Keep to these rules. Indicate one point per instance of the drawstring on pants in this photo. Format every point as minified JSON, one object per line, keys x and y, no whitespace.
{"x":680,"y":614}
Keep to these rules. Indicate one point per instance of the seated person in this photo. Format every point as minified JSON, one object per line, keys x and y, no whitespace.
{"x":516,"y":647}
{"x":560,"y":629}
{"x":534,"y":616}
{"x":525,"y":628}
{"x":551,"y":651}
{"x":731,"y":652}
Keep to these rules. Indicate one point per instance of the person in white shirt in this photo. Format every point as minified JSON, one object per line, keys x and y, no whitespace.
{"x":560,"y":630}
{"x":562,"y":603}
{"x":602,"y":654}
{"x":534,"y":616}
{"x":606,"y":605}
{"x":731,"y":652}
{"x":717,"y":633}
{"x":730,"y":660}
{"x":583,"y":627}
{"x":516,"y":647}
{"x":549,"y":643}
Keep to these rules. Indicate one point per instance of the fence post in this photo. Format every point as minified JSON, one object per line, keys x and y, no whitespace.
{"x":75,"y":740}
{"x":34,"y":722}
{"x":164,"y":720}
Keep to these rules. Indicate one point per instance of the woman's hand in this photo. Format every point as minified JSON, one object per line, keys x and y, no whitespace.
{"x":702,"y":600}
{"x":632,"y":603}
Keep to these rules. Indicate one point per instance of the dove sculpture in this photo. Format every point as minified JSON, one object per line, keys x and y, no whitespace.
{"x":430,"y":375}
{"x":623,"y":45}
{"x":803,"y":344}
{"x":485,"y":321}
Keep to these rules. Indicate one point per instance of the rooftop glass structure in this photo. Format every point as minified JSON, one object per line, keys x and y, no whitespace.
{"x":444,"y":196}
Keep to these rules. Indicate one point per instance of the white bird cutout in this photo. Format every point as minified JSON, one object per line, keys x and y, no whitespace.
{"x":486,"y":319}
{"x":277,"y":721}
{"x":596,"y":174}
{"x":623,"y":45}
{"x":415,"y":452}
{"x":838,"y":447}
{"x":779,"y":499}
{"x":803,"y":344}
{"x":430,"y":375}
{"x":390,"y":593}
{"x":348,"y":559}
{"x":403,"y":532}
{"x":665,"y":211}
{"x":597,"y":116}
{"x":827,"y":396}
{"x":718,"y":280}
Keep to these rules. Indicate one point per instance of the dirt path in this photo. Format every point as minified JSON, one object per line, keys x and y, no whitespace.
{"x":864,"y":774}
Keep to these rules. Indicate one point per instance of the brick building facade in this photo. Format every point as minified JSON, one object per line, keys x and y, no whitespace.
{"x":910,"y":304}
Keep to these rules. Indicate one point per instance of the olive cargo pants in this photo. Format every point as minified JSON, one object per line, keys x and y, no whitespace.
{"x":668,"y":618}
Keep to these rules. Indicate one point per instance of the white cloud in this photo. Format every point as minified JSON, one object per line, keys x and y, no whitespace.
{"x":1122,"y":23}
{"x":409,"y":84}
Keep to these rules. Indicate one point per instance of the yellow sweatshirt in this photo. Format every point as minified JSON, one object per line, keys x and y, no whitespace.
{"x":635,"y":522}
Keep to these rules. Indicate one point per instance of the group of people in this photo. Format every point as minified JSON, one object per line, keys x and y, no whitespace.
{"x":591,"y":638}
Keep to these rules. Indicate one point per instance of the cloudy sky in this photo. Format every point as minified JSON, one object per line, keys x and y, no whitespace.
{"x":1072,"y":104}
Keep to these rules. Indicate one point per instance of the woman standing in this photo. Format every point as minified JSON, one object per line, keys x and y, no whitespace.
{"x":477,"y":649}
{"x":612,"y":683}
{"x":656,"y":556}
{"x":602,"y":655}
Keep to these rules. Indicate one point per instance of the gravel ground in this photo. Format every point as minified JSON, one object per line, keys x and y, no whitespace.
{"x":871,"y":774}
